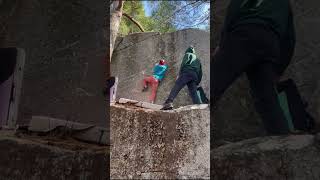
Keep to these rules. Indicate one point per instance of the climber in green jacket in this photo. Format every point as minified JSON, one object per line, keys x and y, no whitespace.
{"x":258,"y":38}
{"x":190,"y":74}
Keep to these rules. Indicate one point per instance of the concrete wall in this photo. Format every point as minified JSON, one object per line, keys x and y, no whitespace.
{"x":147,"y":144}
{"x":65,"y":47}
{"x":138,"y":53}
{"x":236,"y":117}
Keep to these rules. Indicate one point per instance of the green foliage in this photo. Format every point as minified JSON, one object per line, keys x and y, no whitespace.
{"x":173,"y":15}
{"x":161,"y":15}
{"x":136,"y":11}
{"x":166,"y":16}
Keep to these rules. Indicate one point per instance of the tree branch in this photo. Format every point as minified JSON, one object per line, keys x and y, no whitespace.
{"x":119,"y":5}
{"x":177,"y":11}
{"x":134,"y":21}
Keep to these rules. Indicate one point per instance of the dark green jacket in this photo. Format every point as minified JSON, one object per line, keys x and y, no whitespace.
{"x":190,"y":62}
{"x":274,"y":14}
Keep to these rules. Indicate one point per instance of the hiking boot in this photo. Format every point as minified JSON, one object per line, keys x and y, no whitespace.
{"x":167,"y":106}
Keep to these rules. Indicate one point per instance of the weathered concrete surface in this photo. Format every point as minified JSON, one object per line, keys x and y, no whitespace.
{"x":140,"y":104}
{"x":27,"y":159}
{"x":149,"y":144}
{"x":80,"y":131}
{"x":236,"y":118}
{"x":291,"y":157}
{"x":138,"y":53}
{"x":65,"y":48}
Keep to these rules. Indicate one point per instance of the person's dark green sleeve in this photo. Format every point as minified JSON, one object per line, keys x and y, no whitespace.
{"x":288,"y":44}
{"x":232,"y":12}
{"x":291,"y":39}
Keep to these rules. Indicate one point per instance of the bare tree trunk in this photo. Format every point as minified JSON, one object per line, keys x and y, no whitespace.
{"x":115,"y":19}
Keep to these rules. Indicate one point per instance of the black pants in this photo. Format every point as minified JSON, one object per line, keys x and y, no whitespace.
{"x":254,"y":50}
{"x":189,"y":79}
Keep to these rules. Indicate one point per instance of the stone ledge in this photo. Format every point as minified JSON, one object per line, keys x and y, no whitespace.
{"x":27,"y":159}
{"x":277,"y":157}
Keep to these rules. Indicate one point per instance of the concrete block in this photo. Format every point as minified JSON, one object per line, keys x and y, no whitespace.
{"x":275,"y":157}
{"x":46,"y":124}
{"x":80,"y":131}
{"x":150,"y":144}
{"x":140,"y":104}
{"x":26,"y":159}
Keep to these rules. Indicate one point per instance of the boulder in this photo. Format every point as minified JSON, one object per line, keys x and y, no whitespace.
{"x":278,"y":157}
{"x":36,"y":158}
{"x":147,"y":144}
{"x":136,"y":54}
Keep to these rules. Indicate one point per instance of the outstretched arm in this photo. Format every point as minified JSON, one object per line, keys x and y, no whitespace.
{"x":164,"y":69}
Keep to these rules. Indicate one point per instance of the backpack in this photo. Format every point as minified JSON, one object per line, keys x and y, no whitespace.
{"x":294,"y":107}
{"x":202,"y":96}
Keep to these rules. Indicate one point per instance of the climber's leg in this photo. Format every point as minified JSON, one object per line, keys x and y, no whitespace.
{"x":145,"y":82}
{"x":183,"y":79}
{"x":262,"y":80}
{"x":154,"y":85}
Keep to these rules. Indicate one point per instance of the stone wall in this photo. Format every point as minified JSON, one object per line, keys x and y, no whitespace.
{"x":26,"y":159}
{"x":147,"y":144}
{"x":139,"y":52}
{"x":65,"y":48}
{"x":236,"y":117}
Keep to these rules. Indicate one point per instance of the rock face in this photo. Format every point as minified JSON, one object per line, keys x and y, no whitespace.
{"x":149,"y":144}
{"x":23,"y":159}
{"x":291,"y":157}
{"x":139,"y":52}
{"x":65,"y":48}
{"x":236,"y":118}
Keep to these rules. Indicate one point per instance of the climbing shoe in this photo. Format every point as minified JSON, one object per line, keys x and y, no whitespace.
{"x":167,"y":106}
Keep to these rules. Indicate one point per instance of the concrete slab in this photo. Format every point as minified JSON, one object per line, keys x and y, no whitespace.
{"x":273,"y":157}
{"x":140,"y":104}
{"x":95,"y":134}
{"x":27,"y":159}
{"x":46,"y":124}
{"x":80,"y":131}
